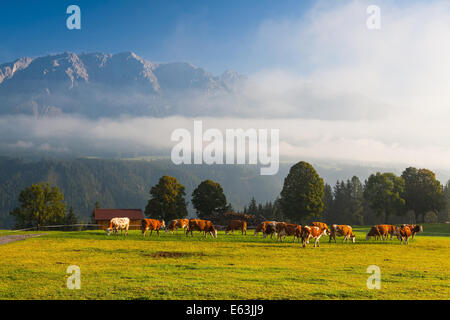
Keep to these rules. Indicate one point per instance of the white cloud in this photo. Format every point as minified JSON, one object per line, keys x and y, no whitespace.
{"x":404,"y":66}
{"x":368,"y":141}
{"x":336,"y":91}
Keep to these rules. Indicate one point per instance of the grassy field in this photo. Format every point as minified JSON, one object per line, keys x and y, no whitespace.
{"x":229,"y":267}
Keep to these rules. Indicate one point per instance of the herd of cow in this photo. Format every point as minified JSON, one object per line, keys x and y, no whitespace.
{"x":273,"y":228}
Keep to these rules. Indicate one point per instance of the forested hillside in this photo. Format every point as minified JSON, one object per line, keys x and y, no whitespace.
{"x":126,"y":184}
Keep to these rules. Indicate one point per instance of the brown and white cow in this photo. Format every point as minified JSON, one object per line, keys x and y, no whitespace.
{"x":152,"y":224}
{"x":177,"y":223}
{"x":262,"y":227}
{"x":312,"y":232}
{"x":205,"y":226}
{"x":414,"y":228}
{"x":403,"y":233}
{"x":382,"y":231}
{"x":321,"y":225}
{"x":117,"y":224}
{"x":237,"y":225}
{"x":288,"y":229}
{"x":373,"y":232}
{"x":391,"y":229}
{"x":341,"y":231}
{"x":271,"y":229}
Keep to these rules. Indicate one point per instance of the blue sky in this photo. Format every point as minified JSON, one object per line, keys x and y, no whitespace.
{"x":213,"y":34}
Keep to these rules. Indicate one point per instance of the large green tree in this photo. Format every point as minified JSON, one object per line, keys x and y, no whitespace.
{"x":423,"y":192}
{"x":40,"y":205}
{"x":208,"y":198}
{"x":383,"y":192}
{"x":302,"y":194}
{"x":167,"y":200}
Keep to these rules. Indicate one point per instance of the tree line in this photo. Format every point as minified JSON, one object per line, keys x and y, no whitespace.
{"x":415,"y":196}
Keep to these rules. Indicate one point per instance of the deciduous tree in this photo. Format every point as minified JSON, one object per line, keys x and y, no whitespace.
{"x":383,"y":192}
{"x":167,"y":200}
{"x":302,"y":194}
{"x":208,"y":198}
{"x":40,"y":205}
{"x":423,"y":192}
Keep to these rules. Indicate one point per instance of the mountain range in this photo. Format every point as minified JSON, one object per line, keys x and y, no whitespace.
{"x":107,"y":85}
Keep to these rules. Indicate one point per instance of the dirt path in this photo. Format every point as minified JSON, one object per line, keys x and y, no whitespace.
{"x":18,"y":237}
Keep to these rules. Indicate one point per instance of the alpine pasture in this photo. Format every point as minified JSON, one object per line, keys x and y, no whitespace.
{"x":231,"y":266}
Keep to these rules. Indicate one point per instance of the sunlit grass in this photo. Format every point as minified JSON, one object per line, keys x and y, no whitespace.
{"x":229,"y":267}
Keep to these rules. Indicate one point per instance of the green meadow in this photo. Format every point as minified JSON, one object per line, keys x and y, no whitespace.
{"x":229,"y":267}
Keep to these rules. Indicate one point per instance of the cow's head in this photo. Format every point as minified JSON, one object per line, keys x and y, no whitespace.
{"x":213,"y":231}
{"x":353,"y":237}
{"x":306,"y":232}
{"x":163,"y":224}
{"x":108,"y":231}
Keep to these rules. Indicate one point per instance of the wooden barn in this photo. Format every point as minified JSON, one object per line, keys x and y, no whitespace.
{"x":104,"y":216}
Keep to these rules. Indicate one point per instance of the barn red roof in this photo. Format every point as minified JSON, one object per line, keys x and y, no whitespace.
{"x":107,"y":214}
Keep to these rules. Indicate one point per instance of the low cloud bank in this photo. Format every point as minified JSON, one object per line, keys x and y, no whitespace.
{"x":370,"y":142}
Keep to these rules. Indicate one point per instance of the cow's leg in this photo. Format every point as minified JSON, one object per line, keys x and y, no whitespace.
{"x":157,"y":231}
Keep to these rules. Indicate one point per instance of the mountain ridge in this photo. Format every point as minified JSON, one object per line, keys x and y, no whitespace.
{"x":100,"y":84}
